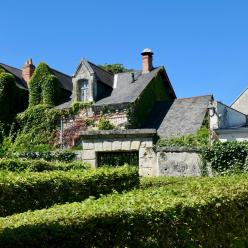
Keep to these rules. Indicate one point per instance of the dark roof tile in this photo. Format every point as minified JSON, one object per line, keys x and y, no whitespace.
{"x":179,"y":117}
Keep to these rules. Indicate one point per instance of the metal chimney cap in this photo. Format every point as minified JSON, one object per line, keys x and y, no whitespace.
{"x":147,"y":51}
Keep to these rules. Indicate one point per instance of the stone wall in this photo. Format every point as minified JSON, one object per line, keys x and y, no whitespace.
{"x":179,"y":162}
{"x":140,"y":140}
{"x":163,"y":161}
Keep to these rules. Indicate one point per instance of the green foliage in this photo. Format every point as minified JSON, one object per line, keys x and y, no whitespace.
{"x":114,"y":68}
{"x":36,"y":127}
{"x":57,"y":155}
{"x":139,"y":111}
{"x":35,"y":190}
{"x":193,"y":212}
{"x":77,"y":106}
{"x":8,"y":94}
{"x":50,"y":90}
{"x":227,"y":157}
{"x":43,"y":87}
{"x":40,"y":165}
{"x":105,"y":124}
{"x":200,"y":139}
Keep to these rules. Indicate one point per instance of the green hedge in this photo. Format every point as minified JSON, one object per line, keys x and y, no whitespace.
{"x":40,"y":165}
{"x":199,"y":212}
{"x":227,"y":157}
{"x":62,"y":156}
{"x":20,"y":192}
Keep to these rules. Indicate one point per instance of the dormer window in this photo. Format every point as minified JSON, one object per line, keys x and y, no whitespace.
{"x":83,"y":88}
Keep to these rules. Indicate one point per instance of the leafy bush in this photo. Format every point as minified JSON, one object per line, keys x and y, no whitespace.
{"x":105,"y":124}
{"x":60,"y":155}
{"x":226,"y":157}
{"x":200,"y":139}
{"x":199,"y":212}
{"x":36,"y":127}
{"x":27,"y":191}
{"x":40,"y":165}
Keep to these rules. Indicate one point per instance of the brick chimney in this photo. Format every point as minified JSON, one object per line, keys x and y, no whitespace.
{"x":28,"y":70}
{"x":147,"y":60}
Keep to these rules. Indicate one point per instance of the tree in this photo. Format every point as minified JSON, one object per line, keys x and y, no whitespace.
{"x":114,"y":68}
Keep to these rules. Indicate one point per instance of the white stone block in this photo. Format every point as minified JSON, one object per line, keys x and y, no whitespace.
{"x":116,"y":145}
{"x":88,"y":145}
{"x":125,"y":145}
{"x":145,"y":172}
{"x":88,"y":154}
{"x":147,"y":143}
{"x":135,"y":145}
{"x":98,"y":145}
{"x":107,"y":146}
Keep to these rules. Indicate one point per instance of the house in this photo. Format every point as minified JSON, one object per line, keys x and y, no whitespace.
{"x":230,"y":123}
{"x":142,"y":98}
{"x":138,"y":99}
{"x":22,"y":77}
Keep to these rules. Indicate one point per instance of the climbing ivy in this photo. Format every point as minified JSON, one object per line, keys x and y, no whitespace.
{"x":36,"y":127}
{"x":8,"y":94}
{"x":43,"y":87}
{"x":139,"y":110}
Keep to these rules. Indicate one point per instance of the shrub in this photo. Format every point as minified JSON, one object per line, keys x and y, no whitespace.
{"x":200,"y":139}
{"x":60,"y":155}
{"x":226,"y":157}
{"x":36,"y":127}
{"x":40,"y":165}
{"x":20,"y":192}
{"x":105,"y":124}
{"x":201,"y":212}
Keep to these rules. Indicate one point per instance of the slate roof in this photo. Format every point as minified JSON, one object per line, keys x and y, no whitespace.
{"x":65,"y":105}
{"x":179,"y":117}
{"x":65,"y":80}
{"x":126,"y":89}
{"x":17,"y":74}
{"x":102,"y":75}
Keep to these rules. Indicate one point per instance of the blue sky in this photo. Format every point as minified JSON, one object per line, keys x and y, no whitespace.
{"x":202,"y":44}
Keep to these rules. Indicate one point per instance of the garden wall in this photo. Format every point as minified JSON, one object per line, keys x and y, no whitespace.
{"x":162,"y":161}
{"x":177,"y":161}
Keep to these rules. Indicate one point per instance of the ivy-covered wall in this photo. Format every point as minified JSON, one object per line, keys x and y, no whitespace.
{"x":44,"y":87}
{"x":12,"y":99}
{"x":157,"y":90}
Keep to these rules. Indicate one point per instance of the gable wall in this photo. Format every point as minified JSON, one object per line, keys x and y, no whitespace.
{"x":157,"y":90}
{"x":241,"y":104}
{"x":84,"y":73}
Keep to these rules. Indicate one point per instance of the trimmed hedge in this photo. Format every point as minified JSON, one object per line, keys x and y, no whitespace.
{"x":197,"y":212}
{"x":27,"y":191}
{"x":40,"y":165}
{"x":62,"y":156}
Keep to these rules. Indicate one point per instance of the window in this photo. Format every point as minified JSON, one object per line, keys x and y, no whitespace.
{"x":83,"y":88}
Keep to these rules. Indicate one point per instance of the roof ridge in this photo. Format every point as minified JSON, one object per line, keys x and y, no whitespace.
{"x":193,"y":97}
{"x":60,"y":72}
{"x":235,"y":100}
{"x":100,"y":68}
{"x":10,"y":66}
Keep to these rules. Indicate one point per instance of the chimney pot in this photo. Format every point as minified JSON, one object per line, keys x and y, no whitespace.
{"x":28,"y":70}
{"x":147,"y":60}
